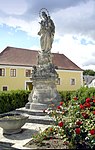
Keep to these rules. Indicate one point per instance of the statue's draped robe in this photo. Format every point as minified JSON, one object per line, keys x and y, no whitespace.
{"x":47,"y":35}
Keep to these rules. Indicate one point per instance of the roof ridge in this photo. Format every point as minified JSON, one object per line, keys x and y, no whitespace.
{"x":11,"y":55}
{"x":20,"y":48}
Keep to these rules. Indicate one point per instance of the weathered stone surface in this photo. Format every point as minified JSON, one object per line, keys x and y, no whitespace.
{"x":12,"y":123}
{"x":44,"y":78}
{"x":44,"y":74}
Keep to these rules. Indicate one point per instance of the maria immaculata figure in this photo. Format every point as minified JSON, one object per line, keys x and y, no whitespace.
{"x":47,"y":31}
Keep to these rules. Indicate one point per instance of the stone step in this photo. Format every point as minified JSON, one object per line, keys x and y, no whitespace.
{"x":35,"y":116}
{"x":7,"y":146}
{"x":31,"y":112}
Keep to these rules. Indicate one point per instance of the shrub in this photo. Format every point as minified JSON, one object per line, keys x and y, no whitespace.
{"x":66,"y":95}
{"x":76,"y":122}
{"x":84,"y":92}
{"x":74,"y":119}
{"x":11,"y":100}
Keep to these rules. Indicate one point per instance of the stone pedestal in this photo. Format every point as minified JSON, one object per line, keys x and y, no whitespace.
{"x":43,"y":95}
{"x":44,"y":78}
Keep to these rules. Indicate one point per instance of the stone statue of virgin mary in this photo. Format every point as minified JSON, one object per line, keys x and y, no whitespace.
{"x":47,"y":31}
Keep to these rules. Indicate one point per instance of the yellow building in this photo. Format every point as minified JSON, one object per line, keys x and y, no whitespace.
{"x":16,"y":68}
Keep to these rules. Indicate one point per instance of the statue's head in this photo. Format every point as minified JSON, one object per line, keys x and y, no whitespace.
{"x":44,"y":15}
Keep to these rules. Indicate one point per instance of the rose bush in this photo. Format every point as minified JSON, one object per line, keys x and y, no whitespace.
{"x":76,"y":122}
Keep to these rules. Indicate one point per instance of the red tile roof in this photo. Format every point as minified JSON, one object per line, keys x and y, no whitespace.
{"x":26,"y":57}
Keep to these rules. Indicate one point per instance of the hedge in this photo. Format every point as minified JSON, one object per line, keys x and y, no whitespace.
{"x":10,"y":100}
{"x":66,"y":95}
{"x":84,"y":92}
{"x":81,"y":93}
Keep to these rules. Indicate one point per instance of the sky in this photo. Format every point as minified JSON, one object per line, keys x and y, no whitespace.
{"x":74,"y":27}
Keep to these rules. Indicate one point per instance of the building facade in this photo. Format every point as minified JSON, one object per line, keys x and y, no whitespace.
{"x":16,"y":68}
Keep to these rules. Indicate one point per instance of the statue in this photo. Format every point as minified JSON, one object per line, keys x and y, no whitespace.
{"x":47,"y":30}
{"x":44,"y":74}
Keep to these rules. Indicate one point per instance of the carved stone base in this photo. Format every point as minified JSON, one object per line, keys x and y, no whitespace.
{"x":44,"y":77}
{"x":38,"y":106}
{"x":43,"y":95}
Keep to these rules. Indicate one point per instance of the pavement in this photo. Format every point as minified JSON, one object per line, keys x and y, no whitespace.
{"x":37,"y":120}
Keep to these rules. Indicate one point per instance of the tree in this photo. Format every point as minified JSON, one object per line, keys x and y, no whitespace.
{"x":89,"y":72}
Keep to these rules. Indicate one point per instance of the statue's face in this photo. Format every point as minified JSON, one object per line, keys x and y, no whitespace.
{"x":44,"y":15}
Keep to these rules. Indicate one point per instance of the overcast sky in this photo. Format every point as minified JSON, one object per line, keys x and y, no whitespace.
{"x":74,"y":27}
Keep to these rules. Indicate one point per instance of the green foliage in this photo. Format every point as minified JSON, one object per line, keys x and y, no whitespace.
{"x":11,"y":100}
{"x":75,"y":121}
{"x":66,"y":95}
{"x":89,"y":72}
{"x":44,"y":135}
{"x":83,"y":93}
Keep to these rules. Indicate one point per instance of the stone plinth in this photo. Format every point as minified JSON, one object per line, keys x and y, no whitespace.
{"x":43,"y":95}
{"x":44,"y":78}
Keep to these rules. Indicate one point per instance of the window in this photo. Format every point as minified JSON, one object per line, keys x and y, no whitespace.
{"x":13,"y":72}
{"x":28,"y":73}
{"x":2,"y":72}
{"x":72,"y":81}
{"x":4,"y":88}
